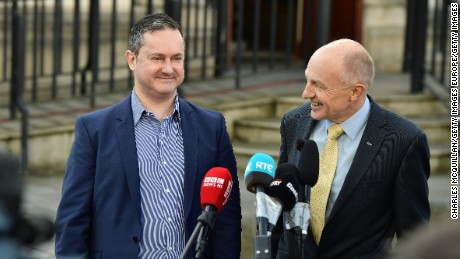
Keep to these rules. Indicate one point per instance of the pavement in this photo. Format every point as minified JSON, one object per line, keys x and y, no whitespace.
{"x":42,"y":193}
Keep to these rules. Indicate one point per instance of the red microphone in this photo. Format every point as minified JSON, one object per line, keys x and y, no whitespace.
{"x":215,"y":190}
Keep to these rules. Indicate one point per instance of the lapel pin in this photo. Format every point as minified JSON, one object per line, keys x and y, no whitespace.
{"x":369,"y":143}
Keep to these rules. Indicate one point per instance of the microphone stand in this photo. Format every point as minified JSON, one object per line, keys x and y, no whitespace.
{"x":208,"y":218}
{"x":262,"y":227}
{"x":201,"y":232}
{"x":262,"y":241}
{"x":302,"y":238}
{"x":304,"y":235}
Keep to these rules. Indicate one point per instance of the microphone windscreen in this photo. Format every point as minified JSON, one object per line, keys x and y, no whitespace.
{"x":309,"y":164}
{"x":260,"y":170}
{"x":285,"y":188}
{"x":216,"y":188}
{"x":287,"y":168}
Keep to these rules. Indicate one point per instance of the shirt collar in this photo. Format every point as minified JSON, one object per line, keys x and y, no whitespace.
{"x":356,"y":122}
{"x":138,"y":109}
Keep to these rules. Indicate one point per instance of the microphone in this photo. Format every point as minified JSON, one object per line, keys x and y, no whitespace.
{"x":258,"y":175}
{"x":216,"y":188}
{"x":308,"y":168}
{"x":283,"y":192}
{"x":214,"y":194}
{"x":285,"y":187}
{"x":299,"y":217}
{"x":259,"y":172}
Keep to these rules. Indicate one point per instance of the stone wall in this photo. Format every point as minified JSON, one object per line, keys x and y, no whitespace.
{"x":384,"y":24}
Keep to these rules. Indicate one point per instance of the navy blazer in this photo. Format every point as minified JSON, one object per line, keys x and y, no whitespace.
{"x":99,"y":213}
{"x":385,"y":191}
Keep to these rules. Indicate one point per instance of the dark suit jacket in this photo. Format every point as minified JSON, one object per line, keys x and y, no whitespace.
{"x":385,"y":191}
{"x":99,"y":214}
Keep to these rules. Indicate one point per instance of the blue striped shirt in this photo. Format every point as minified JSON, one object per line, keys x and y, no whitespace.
{"x":160,"y":152}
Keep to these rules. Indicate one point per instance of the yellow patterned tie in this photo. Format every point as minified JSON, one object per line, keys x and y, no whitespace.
{"x":320,"y":192}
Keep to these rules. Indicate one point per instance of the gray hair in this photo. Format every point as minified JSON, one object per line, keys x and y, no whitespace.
{"x":358,"y":68}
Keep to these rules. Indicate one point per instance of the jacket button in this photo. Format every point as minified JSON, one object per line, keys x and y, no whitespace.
{"x":135,"y":239}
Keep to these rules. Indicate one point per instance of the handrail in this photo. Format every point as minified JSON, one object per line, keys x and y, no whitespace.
{"x":418,"y":36}
{"x":17,"y":82}
{"x":427,"y":65}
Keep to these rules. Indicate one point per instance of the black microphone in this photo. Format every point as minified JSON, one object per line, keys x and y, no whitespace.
{"x":308,"y":168}
{"x":285,"y":186}
{"x":283,"y":191}
{"x":299,"y":217}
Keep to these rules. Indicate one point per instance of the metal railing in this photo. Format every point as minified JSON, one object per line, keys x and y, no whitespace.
{"x":427,"y":46}
{"x":17,"y":83}
{"x":73,"y":49}
{"x":52,"y":49}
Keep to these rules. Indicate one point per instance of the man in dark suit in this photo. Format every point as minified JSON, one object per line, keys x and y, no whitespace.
{"x":133,"y":178}
{"x":379,"y":177}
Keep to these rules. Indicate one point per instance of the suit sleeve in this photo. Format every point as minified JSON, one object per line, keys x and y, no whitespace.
{"x":283,"y":148}
{"x":226,"y":240}
{"x":411,"y":188}
{"x":74,"y":211}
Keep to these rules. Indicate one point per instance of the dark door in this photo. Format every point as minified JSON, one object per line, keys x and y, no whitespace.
{"x":345,"y":22}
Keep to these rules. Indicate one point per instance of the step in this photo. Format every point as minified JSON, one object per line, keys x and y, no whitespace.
{"x":417,"y":105}
{"x":267,"y":131}
{"x":440,"y":158}
{"x":407,"y":105}
{"x":436,"y":128}
{"x":258,"y":131}
{"x":245,"y":108}
{"x":439,"y":155}
{"x":244,"y":152}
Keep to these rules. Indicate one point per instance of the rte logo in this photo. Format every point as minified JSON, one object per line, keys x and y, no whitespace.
{"x":264,"y":166}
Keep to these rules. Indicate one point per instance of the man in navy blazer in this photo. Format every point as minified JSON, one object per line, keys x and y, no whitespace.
{"x":380,"y":185}
{"x":133,"y":178}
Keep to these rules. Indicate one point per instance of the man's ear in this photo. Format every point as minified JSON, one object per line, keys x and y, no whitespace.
{"x":357,"y":92}
{"x":131,"y":59}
